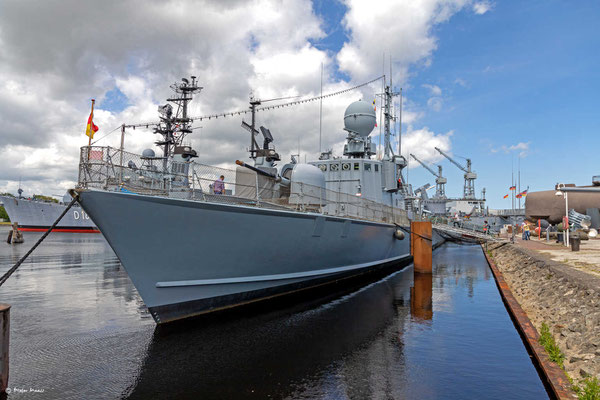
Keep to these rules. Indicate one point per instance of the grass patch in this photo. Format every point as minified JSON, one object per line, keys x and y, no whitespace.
{"x":589,"y":389}
{"x":547,"y":341}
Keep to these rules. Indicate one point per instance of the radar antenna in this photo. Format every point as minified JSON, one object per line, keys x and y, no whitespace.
{"x":174,"y":125}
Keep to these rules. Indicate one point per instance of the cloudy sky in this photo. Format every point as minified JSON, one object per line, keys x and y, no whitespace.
{"x":499,"y":82}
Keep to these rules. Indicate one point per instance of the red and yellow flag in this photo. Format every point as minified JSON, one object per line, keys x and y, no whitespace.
{"x":505,"y":196}
{"x":91,"y":128}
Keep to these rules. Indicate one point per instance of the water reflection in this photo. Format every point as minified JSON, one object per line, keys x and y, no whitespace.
{"x":269,"y":354}
{"x":421,"y":301}
{"x":80,"y":330}
{"x":407,"y":336}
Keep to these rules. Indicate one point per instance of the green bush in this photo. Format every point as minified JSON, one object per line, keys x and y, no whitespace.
{"x":3,"y":214}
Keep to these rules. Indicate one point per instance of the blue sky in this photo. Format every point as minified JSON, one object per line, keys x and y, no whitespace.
{"x":500,"y":75}
{"x":524,"y":72}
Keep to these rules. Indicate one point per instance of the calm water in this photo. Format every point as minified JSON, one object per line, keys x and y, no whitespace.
{"x":80,"y":330}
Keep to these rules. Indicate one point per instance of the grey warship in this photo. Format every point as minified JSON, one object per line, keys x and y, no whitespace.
{"x":37,"y":216}
{"x":195,"y":238}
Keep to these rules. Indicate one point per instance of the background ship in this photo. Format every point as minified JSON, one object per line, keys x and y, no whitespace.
{"x":270,"y":232}
{"x":37,"y":215}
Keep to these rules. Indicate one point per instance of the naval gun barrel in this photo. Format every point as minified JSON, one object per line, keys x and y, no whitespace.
{"x":263,"y":173}
{"x":257,"y":170}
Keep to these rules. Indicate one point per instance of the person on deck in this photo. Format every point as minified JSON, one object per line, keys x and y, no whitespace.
{"x":219,"y":185}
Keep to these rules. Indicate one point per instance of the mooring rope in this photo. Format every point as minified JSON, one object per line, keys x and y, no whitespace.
{"x":414,"y":233}
{"x":18,"y":264}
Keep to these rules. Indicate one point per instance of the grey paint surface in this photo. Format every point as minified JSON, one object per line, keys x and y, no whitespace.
{"x":30,"y":213}
{"x":164,"y":240}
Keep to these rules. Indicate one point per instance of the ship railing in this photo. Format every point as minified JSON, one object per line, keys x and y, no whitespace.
{"x":109,"y":168}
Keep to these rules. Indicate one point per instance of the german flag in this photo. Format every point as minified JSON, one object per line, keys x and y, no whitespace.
{"x":506,"y":196}
{"x":513,"y":188}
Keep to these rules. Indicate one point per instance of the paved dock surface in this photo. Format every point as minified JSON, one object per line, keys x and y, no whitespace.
{"x":79,"y":330}
{"x":587,"y":259}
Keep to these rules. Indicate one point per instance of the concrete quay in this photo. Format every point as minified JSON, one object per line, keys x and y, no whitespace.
{"x":562,"y":289}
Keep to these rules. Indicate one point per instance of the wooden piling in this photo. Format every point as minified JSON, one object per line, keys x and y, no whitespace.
{"x":420,"y":245}
{"x":4,"y":337}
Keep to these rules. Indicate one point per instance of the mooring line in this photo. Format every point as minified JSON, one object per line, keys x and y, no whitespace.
{"x":413,"y":233}
{"x":18,"y":264}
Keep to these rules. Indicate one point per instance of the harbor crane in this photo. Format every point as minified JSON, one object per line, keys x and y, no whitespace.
{"x":470,"y":176}
{"x":440,"y":181}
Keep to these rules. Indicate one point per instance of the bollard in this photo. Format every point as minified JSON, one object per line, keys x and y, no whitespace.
{"x":5,"y":334}
{"x":575,"y":242}
{"x":420,"y":245}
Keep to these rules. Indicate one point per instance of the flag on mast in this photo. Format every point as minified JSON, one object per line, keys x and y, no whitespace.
{"x":513,"y":188}
{"x":375,"y":109}
{"x":91,"y":128}
{"x":506,"y":196}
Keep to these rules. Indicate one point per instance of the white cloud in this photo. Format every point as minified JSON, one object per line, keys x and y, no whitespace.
{"x":435,"y":103}
{"x":522,"y":148}
{"x":460,"y":82}
{"x":434,"y":90}
{"x":402,"y":29}
{"x":61,"y":55}
{"x":481,"y":7}
{"x":422,"y":143}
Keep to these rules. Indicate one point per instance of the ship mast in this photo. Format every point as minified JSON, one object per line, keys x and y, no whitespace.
{"x":388,"y":97}
{"x":174,"y":126}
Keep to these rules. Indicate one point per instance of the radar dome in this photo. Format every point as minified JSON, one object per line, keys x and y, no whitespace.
{"x":148,"y":153}
{"x":308,"y":185}
{"x":360,"y":118}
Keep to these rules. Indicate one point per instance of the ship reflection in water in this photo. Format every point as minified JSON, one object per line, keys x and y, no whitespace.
{"x":443,"y":335}
{"x":79,"y":330}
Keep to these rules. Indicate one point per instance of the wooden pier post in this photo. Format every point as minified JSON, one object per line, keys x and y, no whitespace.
{"x":4,"y":336}
{"x":420,"y":245}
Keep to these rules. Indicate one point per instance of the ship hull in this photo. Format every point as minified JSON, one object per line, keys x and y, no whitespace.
{"x":37,"y":216}
{"x":188,"y":258}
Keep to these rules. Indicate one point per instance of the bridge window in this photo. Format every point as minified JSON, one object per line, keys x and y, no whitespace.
{"x":367,"y":167}
{"x":356,"y":166}
{"x":376,"y":167}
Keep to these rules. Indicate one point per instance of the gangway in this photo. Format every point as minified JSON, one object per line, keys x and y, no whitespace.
{"x":454,"y":233}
